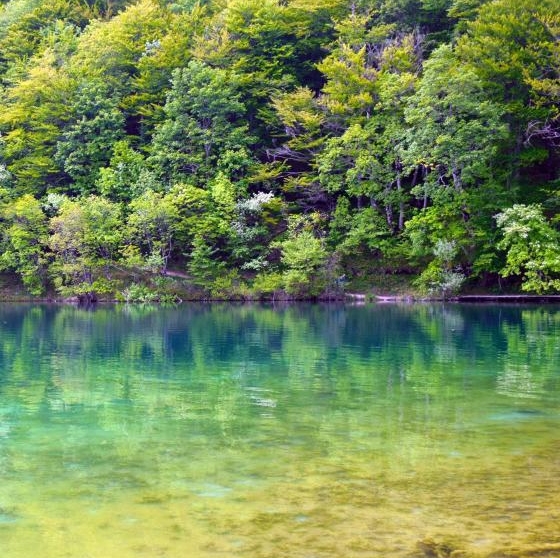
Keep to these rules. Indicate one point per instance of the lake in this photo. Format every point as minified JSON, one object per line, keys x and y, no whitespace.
{"x":304,"y":431}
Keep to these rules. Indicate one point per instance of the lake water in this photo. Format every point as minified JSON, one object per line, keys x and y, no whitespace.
{"x":295,"y":432}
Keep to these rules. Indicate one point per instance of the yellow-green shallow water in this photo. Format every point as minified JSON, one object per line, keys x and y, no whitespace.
{"x":303,"y":431}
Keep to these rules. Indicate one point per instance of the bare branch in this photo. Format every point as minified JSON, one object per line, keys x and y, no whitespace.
{"x":548,"y":131}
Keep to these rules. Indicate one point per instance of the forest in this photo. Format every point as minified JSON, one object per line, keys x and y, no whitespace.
{"x":238,"y":149}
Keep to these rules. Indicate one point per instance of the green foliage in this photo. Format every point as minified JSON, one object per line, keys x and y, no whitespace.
{"x":122,"y":179}
{"x":85,"y":238}
{"x":34,"y":112}
{"x":368,"y":231}
{"x":27,"y":28}
{"x":255,"y":221}
{"x":434,"y":224}
{"x":23,"y":243}
{"x":532,"y":246}
{"x":267,"y":283}
{"x":152,"y":225}
{"x":302,"y":117}
{"x":440,"y":278}
{"x":228,"y":286}
{"x":204,"y":117}
{"x":144,"y":294}
{"x":513,"y":49}
{"x":86,"y":144}
{"x":271,"y":45}
{"x":302,"y":255}
{"x":139,"y":293}
{"x":203,"y":267}
{"x":111,"y":50}
{"x":277,"y":144}
{"x":454,"y":130}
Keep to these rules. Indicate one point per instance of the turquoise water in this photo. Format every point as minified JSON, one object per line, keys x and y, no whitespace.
{"x":301,"y":431}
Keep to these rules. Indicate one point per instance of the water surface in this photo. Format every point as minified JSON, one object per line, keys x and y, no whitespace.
{"x":301,"y":432}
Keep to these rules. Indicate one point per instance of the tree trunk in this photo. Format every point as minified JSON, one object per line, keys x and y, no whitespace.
{"x":388,"y":207}
{"x":389,"y":214}
{"x":457,"y":182}
{"x":424,"y":174}
{"x":401,"y":203}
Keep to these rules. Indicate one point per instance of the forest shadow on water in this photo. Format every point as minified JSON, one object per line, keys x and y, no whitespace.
{"x":312,"y":431}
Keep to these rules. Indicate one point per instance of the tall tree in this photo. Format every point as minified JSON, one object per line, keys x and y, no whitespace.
{"x":204,"y":120}
{"x":32,"y":117}
{"x":87,"y":142}
{"x":455,"y":134}
{"x":512,"y":46}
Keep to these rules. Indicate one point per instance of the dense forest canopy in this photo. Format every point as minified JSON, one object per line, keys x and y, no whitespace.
{"x":264,"y":146}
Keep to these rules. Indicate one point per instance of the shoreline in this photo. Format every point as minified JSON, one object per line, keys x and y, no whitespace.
{"x":356,"y":299}
{"x":482,"y":298}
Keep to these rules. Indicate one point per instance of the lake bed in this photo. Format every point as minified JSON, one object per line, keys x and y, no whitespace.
{"x":301,"y":431}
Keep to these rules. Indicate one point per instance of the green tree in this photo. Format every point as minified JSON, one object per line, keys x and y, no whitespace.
{"x":204,"y":118}
{"x":273,"y":46}
{"x":203,"y":266}
{"x":112,"y":52}
{"x":171,"y":49}
{"x":85,"y":146}
{"x":302,"y":255}
{"x":455,"y":135}
{"x":123,"y":179}
{"x":254,"y":224}
{"x":512,"y":47}
{"x":27,"y":28}
{"x":364,"y":163}
{"x":532,"y":248}
{"x":33,"y":114}
{"x":454,"y":129}
{"x":152,"y":226}
{"x":24,"y":241}
{"x":441,"y":277}
{"x":85,"y":239}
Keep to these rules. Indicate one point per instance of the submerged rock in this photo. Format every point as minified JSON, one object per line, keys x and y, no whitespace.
{"x":432,"y":549}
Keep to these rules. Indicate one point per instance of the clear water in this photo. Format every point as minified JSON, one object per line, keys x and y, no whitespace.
{"x":300,"y":432}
